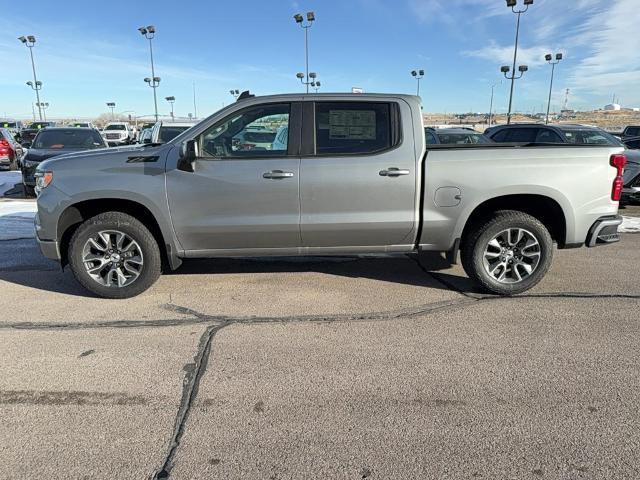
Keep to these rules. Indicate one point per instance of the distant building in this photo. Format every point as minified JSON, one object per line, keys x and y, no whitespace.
{"x":612,"y":107}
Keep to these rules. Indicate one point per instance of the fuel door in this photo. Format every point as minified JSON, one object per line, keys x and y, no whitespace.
{"x":447,"y":197}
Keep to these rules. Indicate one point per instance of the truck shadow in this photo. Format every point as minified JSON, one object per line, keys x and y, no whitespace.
{"x":36,"y":272}
{"x":410,"y":270}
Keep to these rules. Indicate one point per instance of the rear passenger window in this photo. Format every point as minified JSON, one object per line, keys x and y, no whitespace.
{"x":548,"y":136}
{"x":633,"y":131}
{"x":522,"y":135}
{"x":348,"y":128}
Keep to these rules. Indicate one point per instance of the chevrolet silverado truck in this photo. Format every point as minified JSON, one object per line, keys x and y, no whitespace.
{"x":354,"y":176}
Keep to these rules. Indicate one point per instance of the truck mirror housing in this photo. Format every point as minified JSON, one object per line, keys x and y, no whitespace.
{"x":189,"y":152}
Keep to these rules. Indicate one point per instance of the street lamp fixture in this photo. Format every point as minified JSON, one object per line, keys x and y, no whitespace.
{"x":311,"y":17}
{"x":29,"y":41}
{"x":417,"y":74}
{"x":43,"y":106}
{"x":549,"y":58}
{"x":512,"y":4}
{"x":149,"y":33}
{"x":171,"y":100}
{"x":112,"y":106}
{"x":235,"y":93}
{"x":311,"y":79}
{"x":316,"y":85}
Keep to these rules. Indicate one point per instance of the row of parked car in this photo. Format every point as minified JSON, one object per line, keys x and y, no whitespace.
{"x":25,"y":148}
{"x":552,"y":135}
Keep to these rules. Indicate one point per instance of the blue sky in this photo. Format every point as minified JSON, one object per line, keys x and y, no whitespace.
{"x":89,"y":53}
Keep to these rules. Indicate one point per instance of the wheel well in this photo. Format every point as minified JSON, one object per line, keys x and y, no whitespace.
{"x":545,"y":209}
{"x":75,"y":214}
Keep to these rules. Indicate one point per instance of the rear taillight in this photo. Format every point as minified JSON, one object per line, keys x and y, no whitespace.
{"x":618,"y":162}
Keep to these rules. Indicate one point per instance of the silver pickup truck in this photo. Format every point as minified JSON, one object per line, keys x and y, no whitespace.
{"x":324,"y":174}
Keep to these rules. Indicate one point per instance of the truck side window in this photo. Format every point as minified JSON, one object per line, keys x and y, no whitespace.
{"x":632,"y":131}
{"x":347,"y":128}
{"x":260,"y":131}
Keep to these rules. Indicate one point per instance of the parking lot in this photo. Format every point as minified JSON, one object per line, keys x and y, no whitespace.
{"x":321,"y":367}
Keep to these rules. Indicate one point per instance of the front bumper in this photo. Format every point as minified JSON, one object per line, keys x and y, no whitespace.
{"x":604,"y":231}
{"x":49,"y":249}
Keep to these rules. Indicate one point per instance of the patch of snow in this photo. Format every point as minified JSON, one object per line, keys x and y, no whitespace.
{"x":630,"y":225}
{"x":8,"y":180}
{"x":16,"y":219}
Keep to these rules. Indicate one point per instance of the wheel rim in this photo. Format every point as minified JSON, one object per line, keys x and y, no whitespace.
{"x":112,"y":258}
{"x":512,"y":255}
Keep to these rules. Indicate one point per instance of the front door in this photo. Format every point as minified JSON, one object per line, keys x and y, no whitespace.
{"x":358,"y":187}
{"x":244,"y":190}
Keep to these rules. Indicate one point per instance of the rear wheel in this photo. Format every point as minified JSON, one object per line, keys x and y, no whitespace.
{"x":114,"y":255}
{"x":508,"y":254}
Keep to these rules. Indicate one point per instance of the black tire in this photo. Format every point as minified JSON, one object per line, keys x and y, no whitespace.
{"x":29,"y":192}
{"x":473,"y":247}
{"x":130,"y":226}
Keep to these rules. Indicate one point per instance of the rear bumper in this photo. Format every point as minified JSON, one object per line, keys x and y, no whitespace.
{"x":604,"y":231}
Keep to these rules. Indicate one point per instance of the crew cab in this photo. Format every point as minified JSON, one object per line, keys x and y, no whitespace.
{"x":354,"y":177}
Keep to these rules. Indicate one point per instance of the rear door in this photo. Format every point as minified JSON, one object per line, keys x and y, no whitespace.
{"x":358,"y":175}
{"x":241,"y":195}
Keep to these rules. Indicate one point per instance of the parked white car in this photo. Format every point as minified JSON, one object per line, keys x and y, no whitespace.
{"x":165,"y":131}
{"x":118,"y":133}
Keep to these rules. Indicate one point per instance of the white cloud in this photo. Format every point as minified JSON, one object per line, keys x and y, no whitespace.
{"x":503,"y":55}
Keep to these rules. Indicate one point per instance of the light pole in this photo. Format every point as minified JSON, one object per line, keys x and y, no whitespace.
{"x":171,"y":100}
{"x":505,"y":70}
{"x":149,"y":32}
{"x":30,"y":41}
{"x":316,"y":85}
{"x":491,"y":104}
{"x":549,"y":58}
{"x":153,"y":83}
{"x":512,"y":4}
{"x":235,"y":93}
{"x":310,"y":79}
{"x":112,"y":106}
{"x":306,"y":26}
{"x":43,"y":106}
{"x":417,"y":74}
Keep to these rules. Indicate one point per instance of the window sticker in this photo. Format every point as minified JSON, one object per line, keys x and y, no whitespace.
{"x":352,"y":124}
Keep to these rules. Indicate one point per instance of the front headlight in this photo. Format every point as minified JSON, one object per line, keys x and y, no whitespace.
{"x":43,"y":179}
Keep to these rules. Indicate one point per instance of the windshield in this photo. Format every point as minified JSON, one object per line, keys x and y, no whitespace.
{"x":591,"y":137}
{"x":9,"y":125}
{"x":84,"y":139}
{"x":170,"y":132}
{"x":115,"y":127}
{"x":463,"y":138}
{"x":80,"y":125}
{"x":40,"y":125}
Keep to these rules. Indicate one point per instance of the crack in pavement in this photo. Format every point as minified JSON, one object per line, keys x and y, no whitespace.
{"x":191,"y":384}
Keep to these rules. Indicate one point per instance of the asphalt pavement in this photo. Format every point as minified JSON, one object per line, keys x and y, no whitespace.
{"x":372,"y":368}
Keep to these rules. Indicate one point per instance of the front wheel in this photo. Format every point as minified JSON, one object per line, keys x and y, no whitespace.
{"x":114,"y":255}
{"x":508,"y":254}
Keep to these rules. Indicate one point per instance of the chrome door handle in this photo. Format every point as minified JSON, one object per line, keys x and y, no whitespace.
{"x":277,"y":174}
{"x":394,"y":172}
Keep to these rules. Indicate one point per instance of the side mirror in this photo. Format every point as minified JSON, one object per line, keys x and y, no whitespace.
{"x":146,"y":140}
{"x":25,"y":144}
{"x":189,"y":152}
